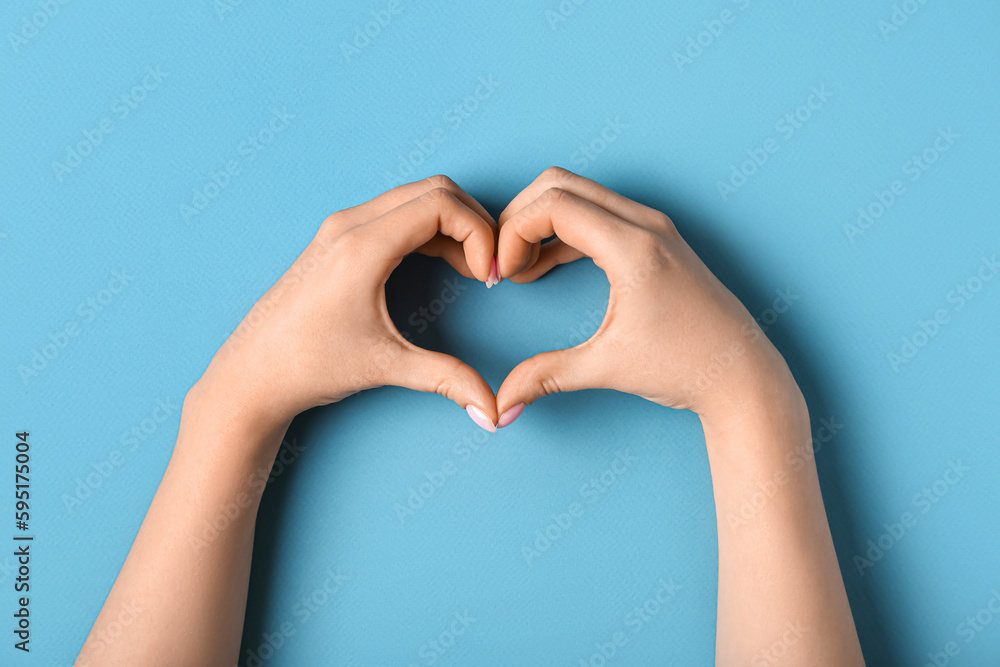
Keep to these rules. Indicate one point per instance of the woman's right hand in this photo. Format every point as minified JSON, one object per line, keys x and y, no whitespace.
{"x":323,"y":331}
{"x":672,"y":333}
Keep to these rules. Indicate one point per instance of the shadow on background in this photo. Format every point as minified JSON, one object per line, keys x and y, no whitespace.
{"x":415,"y":284}
{"x":272,"y":520}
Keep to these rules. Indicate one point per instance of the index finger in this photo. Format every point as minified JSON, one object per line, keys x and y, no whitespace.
{"x":583,"y":187}
{"x":408,"y":226}
{"x":580,"y":223}
{"x":398,"y":196}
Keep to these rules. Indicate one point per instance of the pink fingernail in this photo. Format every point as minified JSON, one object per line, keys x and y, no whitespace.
{"x":494,"y":276}
{"x":508,"y":417}
{"x":496,"y":268}
{"x":480,"y":418}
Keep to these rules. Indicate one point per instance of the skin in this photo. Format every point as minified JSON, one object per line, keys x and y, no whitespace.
{"x":675,"y":335}
{"x":323,"y":333}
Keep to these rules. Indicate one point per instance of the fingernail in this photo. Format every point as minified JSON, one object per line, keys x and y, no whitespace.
{"x":496,"y":267}
{"x":508,"y":417}
{"x":480,"y":418}
{"x":493,"y":278}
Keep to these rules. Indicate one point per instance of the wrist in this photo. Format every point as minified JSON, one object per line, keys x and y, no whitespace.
{"x":230,"y":426}
{"x":766,"y":416}
{"x":752,"y":377}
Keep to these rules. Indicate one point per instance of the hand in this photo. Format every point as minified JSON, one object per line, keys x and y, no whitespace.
{"x":323,"y":331}
{"x":672,"y":332}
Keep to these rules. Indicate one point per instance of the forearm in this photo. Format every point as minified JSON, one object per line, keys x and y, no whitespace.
{"x":181,"y":595}
{"x":781,"y":596}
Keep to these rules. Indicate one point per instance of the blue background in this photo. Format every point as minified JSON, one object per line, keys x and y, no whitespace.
{"x":597,"y":88}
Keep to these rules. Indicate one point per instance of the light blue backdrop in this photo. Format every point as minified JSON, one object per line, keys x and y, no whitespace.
{"x":192,"y":148}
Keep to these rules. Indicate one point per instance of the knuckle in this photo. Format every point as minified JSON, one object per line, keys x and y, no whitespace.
{"x":549,"y":385}
{"x":645,"y":243}
{"x":662,"y":221}
{"x":450,"y":381}
{"x":540,"y":375}
{"x":438,"y":196}
{"x":556,"y":174}
{"x":445,"y":387}
{"x":553,"y":197}
{"x":441,"y":181}
{"x":333,"y":222}
{"x":667,"y":228}
{"x":349,"y":243}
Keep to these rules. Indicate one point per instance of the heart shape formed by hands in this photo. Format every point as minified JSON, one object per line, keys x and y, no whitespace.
{"x":670,"y":328}
{"x":672,"y":333}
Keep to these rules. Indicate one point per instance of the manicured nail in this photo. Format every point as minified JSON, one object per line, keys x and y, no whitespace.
{"x":480,"y":418}
{"x":493,"y":278}
{"x":508,"y":417}
{"x":496,"y":268}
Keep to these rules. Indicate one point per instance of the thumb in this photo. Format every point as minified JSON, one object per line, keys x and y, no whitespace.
{"x":547,"y":373}
{"x":434,"y":372}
